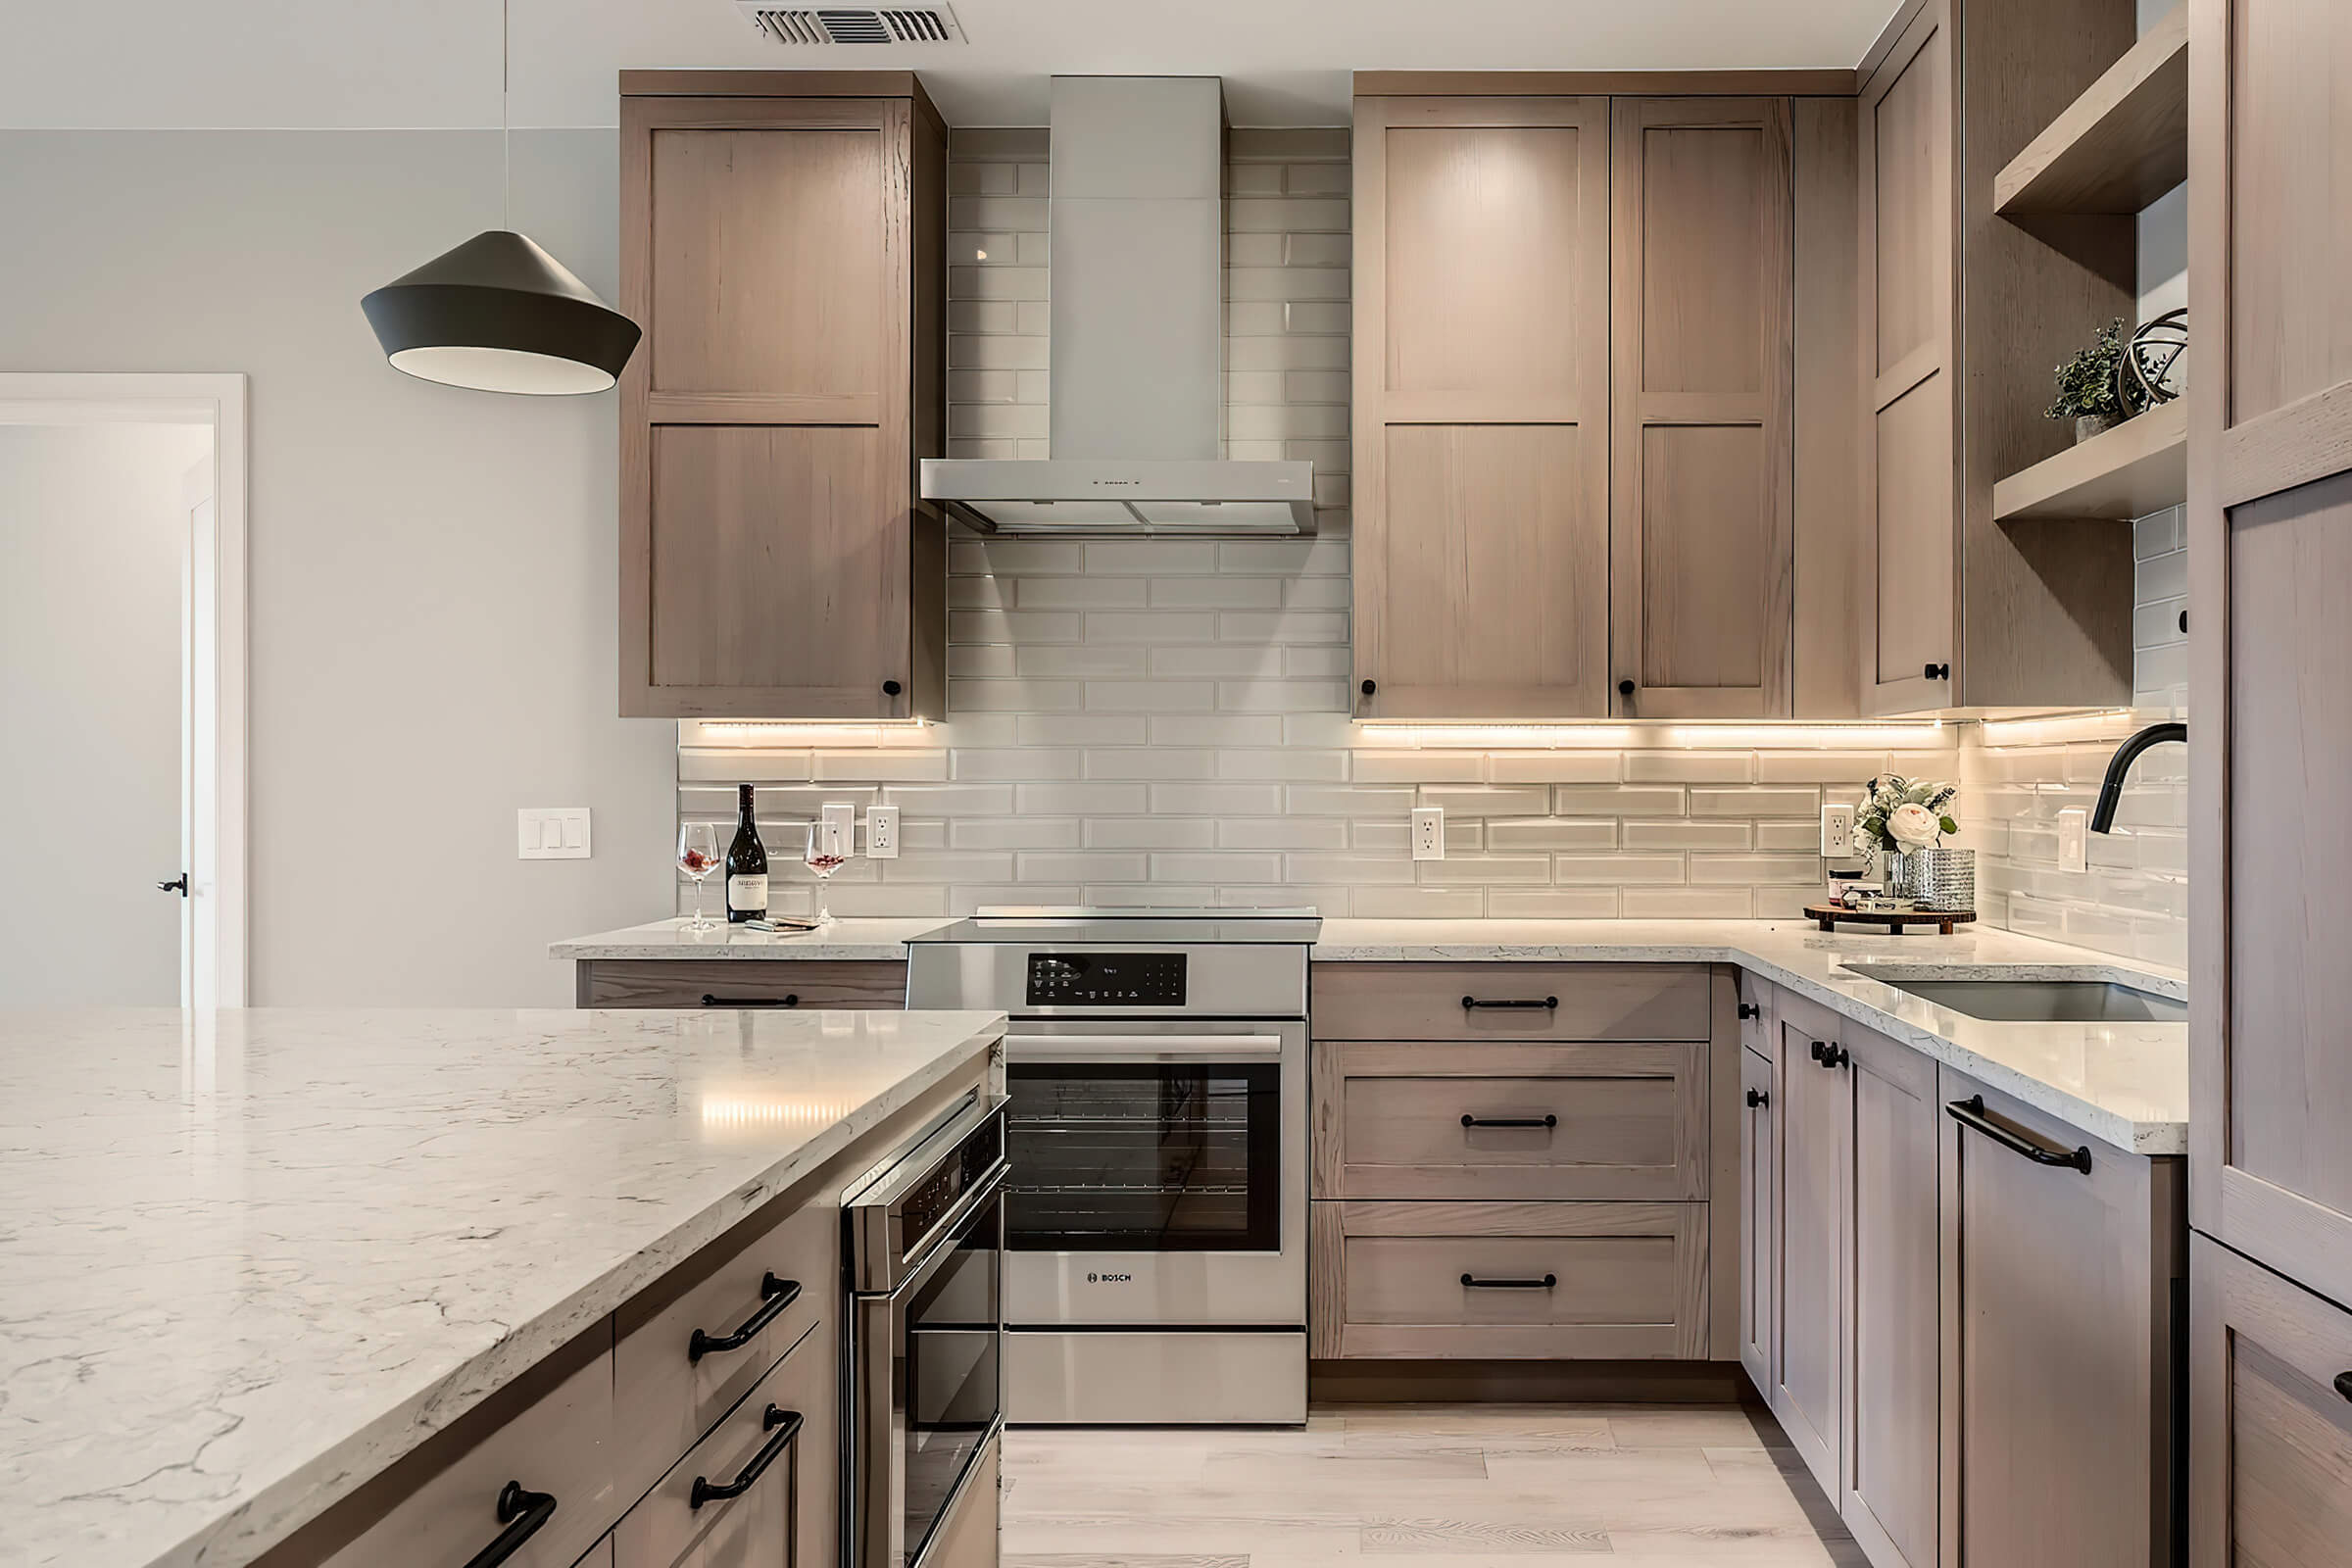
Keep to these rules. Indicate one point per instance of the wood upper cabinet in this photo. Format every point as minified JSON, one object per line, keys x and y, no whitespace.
{"x":785,"y":257}
{"x":1701,"y":533}
{"x":2061,"y":1289}
{"x":2271,"y":1372}
{"x":2269,"y":521}
{"x":1482,"y":396}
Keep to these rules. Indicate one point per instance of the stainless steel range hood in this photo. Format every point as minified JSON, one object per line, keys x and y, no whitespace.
{"x":1136,"y":435}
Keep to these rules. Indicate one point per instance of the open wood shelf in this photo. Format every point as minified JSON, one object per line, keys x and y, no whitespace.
{"x":2120,"y":145}
{"x":2140,"y":467}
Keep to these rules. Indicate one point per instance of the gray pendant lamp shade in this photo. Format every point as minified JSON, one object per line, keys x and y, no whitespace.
{"x":499,"y":314}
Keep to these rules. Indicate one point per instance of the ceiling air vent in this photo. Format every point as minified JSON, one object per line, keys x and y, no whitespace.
{"x":795,"y":24}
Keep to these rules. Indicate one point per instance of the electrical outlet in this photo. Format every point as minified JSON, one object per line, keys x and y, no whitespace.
{"x":2073,"y":839}
{"x":838,"y":827}
{"x":551,"y":833}
{"x":882,"y":832}
{"x":1837,"y":831}
{"x":1429,"y":832}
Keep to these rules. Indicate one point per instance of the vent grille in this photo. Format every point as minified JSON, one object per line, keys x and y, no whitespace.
{"x":853,"y":25}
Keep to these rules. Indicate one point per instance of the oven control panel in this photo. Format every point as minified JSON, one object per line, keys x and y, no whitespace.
{"x":1106,"y":979}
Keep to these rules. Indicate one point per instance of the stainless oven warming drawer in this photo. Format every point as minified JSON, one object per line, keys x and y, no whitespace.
{"x":1111,"y":1377}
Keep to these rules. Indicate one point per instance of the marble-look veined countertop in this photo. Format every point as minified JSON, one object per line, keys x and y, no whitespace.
{"x":2126,"y":1084}
{"x":250,"y":1258}
{"x":845,"y":940}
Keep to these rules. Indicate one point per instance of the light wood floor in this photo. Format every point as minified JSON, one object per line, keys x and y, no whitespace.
{"x":1423,"y":1487}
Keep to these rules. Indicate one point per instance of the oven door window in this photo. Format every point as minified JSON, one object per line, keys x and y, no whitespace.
{"x":1146,"y":1158}
{"x":950,"y":1377}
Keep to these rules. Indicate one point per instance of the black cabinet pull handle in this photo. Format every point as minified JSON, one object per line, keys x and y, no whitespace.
{"x":1625,"y":688}
{"x":1510,"y":1002}
{"x":523,"y":1513}
{"x":1971,"y":1113}
{"x":775,"y":1296}
{"x":1469,"y":1121}
{"x":178,"y":885}
{"x":891,"y":688}
{"x":1830,"y":1055}
{"x":1939,"y":672}
{"x":1471,"y":1282}
{"x":1369,"y":687}
{"x":1756,"y":1097}
{"x":789,"y":999}
{"x":786,"y":1424}
{"x":1749,"y":1010}
{"x":2343,"y":1383}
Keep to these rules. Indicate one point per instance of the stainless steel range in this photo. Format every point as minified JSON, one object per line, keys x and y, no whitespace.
{"x":1156,"y":1218}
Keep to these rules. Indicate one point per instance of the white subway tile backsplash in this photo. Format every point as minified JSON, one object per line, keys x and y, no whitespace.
{"x":1084,"y":800}
{"x":1150,"y":833}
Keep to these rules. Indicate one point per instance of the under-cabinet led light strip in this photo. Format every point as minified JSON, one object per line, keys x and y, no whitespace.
{"x":1694,"y":735}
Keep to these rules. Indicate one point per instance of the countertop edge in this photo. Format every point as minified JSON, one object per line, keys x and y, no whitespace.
{"x":285,"y":1503}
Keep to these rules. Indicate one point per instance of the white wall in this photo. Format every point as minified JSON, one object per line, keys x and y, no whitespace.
{"x":433,"y":571}
{"x":92,"y":529}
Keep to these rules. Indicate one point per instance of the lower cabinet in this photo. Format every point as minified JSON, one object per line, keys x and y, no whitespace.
{"x":1807,"y":1391}
{"x":2064,"y":1275}
{"x":1890,"y":1484}
{"x":2270,"y":1477}
{"x":813,"y":983}
{"x":1759,"y":1225}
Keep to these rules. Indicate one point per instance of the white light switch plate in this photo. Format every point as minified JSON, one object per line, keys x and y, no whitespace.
{"x":2073,"y":839}
{"x":1837,"y":831}
{"x":1429,"y":832}
{"x":839,"y":820}
{"x":882,"y":832}
{"x":551,"y":833}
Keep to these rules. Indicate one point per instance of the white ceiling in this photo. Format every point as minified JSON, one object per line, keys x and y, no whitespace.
{"x":434,"y":62}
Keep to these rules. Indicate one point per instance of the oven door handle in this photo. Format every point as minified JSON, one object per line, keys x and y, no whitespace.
{"x":1142,"y":1048}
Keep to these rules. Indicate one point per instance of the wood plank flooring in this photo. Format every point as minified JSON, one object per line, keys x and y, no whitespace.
{"x":1424,"y":1486}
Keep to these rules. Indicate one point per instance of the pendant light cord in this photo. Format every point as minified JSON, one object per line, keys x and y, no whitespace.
{"x":506,"y":130}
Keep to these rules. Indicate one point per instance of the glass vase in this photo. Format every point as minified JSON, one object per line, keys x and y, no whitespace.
{"x":1898,"y":874}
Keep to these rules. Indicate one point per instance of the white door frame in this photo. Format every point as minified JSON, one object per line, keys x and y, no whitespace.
{"x":220,"y":401}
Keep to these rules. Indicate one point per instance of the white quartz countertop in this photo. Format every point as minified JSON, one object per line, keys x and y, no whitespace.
{"x":2126,"y":1084}
{"x":249,"y":1258}
{"x":852,"y":940}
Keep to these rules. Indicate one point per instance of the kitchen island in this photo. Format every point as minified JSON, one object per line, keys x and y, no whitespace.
{"x":255,"y":1260}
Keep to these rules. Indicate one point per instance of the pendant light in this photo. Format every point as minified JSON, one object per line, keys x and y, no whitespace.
{"x":499,"y":314}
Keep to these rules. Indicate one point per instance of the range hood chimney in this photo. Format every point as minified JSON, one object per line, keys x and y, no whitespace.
{"x":1137,"y":226}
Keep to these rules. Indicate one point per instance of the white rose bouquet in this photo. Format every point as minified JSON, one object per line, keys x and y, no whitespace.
{"x":1904,"y":814}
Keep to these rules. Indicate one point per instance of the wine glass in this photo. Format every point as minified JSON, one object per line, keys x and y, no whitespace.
{"x":825,"y":853}
{"x":699,"y":855}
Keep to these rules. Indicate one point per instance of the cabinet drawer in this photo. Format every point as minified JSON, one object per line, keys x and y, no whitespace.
{"x":721,"y":982}
{"x":2270,"y":1403}
{"x":1556,"y":1002}
{"x":1436,"y":1121}
{"x":1606,"y":1281}
{"x":666,"y":1396}
{"x":780,"y":1445}
{"x":548,"y":1431}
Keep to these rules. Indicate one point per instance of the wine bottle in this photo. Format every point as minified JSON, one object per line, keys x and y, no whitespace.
{"x":747,"y":864}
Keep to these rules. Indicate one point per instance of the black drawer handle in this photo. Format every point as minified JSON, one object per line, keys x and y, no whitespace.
{"x":523,"y":1513}
{"x":1469,"y":1121}
{"x":1757,"y":1097}
{"x":789,"y":999}
{"x":786,"y":1424}
{"x":775,"y":1296}
{"x":1471,"y":1282}
{"x":1936,"y":672}
{"x":1510,"y":1002}
{"x":1749,"y":1010}
{"x":1969,"y":1113}
{"x":2343,"y":1383}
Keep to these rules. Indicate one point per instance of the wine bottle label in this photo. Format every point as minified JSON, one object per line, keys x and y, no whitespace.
{"x":747,"y":893}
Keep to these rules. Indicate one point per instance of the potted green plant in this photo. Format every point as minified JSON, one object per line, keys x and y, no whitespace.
{"x":2088,"y":391}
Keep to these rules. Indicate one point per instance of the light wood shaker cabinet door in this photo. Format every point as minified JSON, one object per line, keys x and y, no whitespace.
{"x":1759,"y":1225}
{"x":1480,"y":544}
{"x":1909,"y":499}
{"x":1815,"y":1119}
{"x":1701,"y":533}
{"x":2270,"y":522}
{"x":780,"y":254}
{"x":1894,"y":1307}
{"x":2060,"y":1288}
{"x":2271,"y":1408}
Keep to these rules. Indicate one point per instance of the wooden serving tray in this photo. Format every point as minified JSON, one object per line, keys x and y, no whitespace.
{"x":1894,"y":921}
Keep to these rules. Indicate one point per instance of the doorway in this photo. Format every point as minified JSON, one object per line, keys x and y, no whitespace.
{"x":121,"y":690}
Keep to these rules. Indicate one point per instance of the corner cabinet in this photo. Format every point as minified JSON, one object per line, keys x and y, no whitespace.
{"x":783,"y":247}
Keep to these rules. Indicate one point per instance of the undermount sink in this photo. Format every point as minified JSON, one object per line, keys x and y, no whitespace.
{"x":2044,"y":1001}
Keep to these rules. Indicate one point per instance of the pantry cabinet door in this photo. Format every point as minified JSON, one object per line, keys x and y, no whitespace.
{"x":1909,"y":490}
{"x":1702,"y":500}
{"x":1481,"y":419}
{"x":2270,"y":522}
